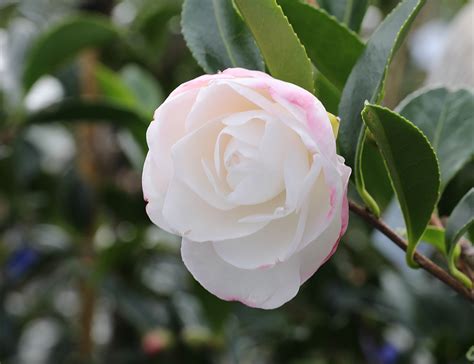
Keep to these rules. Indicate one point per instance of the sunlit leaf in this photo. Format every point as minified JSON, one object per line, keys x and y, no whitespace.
{"x":333,"y":48}
{"x":283,"y":52}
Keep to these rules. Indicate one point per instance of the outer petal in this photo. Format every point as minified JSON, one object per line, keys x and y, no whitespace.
{"x":164,"y":131}
{"x":229,"y":73}
{"x":319,"y":251}
{"x":298,"y":102}
{"x":263,"y":288}
{"x":153,"y":196}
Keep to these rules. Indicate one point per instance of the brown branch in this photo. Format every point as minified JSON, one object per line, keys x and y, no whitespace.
{"x":424,"y":262}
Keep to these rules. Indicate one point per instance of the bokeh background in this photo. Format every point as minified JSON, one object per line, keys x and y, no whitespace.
{"x":86,"y":278}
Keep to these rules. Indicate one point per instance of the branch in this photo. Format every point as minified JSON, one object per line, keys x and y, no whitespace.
{"x":424,"y":262}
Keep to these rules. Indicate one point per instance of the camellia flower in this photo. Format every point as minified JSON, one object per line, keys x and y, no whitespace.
{"x":244,"y":167}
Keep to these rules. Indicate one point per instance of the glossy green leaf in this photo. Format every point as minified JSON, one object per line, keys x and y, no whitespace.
{"x":461,"y":219}
{"x":350,"y":12}
{"x":93,"y":111}
{"x":412,"y":166}
{"x":217,"y":36}
{"x":367,"y":78}
{"x":63,"y":42}
{"x":333,"y":48}
{"x":447,"y":119}
{"x":283,"y":52}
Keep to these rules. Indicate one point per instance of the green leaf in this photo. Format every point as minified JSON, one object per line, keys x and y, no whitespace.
{"x":151,"y":32}
{"x":435,"y":236}
{"x":461,"y":219}
{"x":447,"y":119}
{"x":456,"y":189}
{"x":350,"y":12}
{"x":377,"y":181}
{"x":326,"y":92}
{"x":217,"y":36}
{"x":8,"y":9}
{"x":284,"y":55}
{"x":133,"y":87}
{"x":153,"y":19}
{"x":369,"y":201}
{"x":333,"y":48}
{"x":366,"y":80}
{"x":148,"y":93}
{"x":63,"y":42}
{"x":113,"y":87}
{"x":102,"y":111}
{"x":412,"y":166}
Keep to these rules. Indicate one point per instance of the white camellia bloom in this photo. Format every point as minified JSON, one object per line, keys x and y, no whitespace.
{"x":244,"y":168}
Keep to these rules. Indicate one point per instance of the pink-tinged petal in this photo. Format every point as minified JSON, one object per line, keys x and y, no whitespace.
{"x":304,"y":106}
{"x":298,"y":102}
{"x":319,"y":251}
{"x":313,"y":252}
{"x":265,"y":288}
{"x":194,"y":84}
{"x":229,"y":73}
{"x":244,"y":73}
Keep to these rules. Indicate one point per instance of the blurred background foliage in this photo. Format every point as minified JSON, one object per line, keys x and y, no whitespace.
{"x":86,"y":278}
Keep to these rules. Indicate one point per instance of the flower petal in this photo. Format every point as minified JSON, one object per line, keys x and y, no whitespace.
{"x":263,"y":288}
{"x":153,"y":195}
{"x":194,"y":218}
{"x":217,"y":100}
{"x":163,"y":132}
{"x":320,"y":250}
{"x":264,"y":248}
{"x":190,"y":153}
